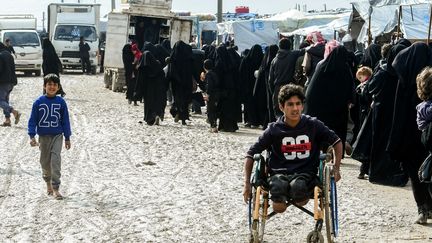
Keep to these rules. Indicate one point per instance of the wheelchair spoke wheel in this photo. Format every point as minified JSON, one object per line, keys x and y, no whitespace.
{"x":328,"y":214}
{"x":258,"y":215}
{"x":315,"y":237}
{"x":333,"y":206}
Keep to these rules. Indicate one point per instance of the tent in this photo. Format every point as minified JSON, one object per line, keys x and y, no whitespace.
{"x":384,"y":18}
{"x":292,"y":20}
{"x":339,"y":25}
{"x":247,"y":33}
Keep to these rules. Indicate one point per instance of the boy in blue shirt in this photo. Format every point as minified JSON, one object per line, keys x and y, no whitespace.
{"x":49,"y":119}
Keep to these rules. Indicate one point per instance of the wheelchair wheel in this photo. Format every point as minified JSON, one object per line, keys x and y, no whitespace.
{"x":330,"y":204}
{"x":258,"y":206}
{"x":315,"y":237}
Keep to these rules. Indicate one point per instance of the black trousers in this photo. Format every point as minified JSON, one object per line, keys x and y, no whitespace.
{"x":85,"y":65}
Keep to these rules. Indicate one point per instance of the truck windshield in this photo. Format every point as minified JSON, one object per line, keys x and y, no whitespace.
{"x":23,"y":38}
{"x":73,"y":32}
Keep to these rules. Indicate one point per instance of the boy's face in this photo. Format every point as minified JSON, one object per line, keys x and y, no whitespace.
{"x":292,"y":109}
{"x":51,"y":88}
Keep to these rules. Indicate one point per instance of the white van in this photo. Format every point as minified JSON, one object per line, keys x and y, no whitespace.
{"x":21,"y":31}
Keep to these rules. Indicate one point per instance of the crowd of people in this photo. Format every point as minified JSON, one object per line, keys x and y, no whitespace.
{"x":368,"y":98}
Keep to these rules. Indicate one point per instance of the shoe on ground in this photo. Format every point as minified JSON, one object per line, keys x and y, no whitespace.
{"x":17,"y":116}
{"x":422,"y":215}
{"x":157,"y":121}
{"x":213,"y":130}
{"x":361,"y":176}
{"x":184,"y":122}
{"x":176,"y":118}
{"x":348,"y":149}
{"x":57,"y":195}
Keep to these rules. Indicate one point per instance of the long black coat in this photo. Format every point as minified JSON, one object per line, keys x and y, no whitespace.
{"x":330,"y":91}
{"x":50,"y":61}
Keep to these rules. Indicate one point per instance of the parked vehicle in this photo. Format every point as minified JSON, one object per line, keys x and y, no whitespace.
{"x":139,"y":20}
{"x":21,"y":31}
{"x":67,"y":22}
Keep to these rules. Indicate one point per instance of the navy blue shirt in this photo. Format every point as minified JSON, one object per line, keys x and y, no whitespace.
{"x":49,"y":116}
{"x":294,"y":149}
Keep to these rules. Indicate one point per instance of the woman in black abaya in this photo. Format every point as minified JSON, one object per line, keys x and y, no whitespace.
{"x":225,"y":69}
{"x":382,"y":87}
{"x":180,"y":75}
{"x":248,"y":66}
{"x":405,"y":139}
{"x":50,"y":62}
{"x":262,"y":82}
{"x":330,"y":91}
{"x":152,"y":88}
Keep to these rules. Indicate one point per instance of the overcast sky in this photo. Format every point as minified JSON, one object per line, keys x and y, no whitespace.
{"x":36,"y":7}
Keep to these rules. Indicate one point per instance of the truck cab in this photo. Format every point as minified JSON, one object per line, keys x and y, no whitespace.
{"x":67,"y":23}
{"x":21,"y":31}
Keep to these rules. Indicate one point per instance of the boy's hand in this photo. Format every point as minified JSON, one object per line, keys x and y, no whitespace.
{"x":247,"y":192}
{"x":33,"y":142}
{"x":202,"y":76}
{"x":67,"y":145}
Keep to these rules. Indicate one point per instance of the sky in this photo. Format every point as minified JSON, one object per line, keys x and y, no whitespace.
{"x":37,"y":7}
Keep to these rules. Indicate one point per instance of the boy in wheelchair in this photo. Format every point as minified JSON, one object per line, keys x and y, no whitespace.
{"x":293,"y":143}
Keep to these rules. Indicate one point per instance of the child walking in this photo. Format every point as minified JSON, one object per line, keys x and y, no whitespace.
{"x":363,"y":75}
{"x":212,"y":90}
{"x":49,"y":119}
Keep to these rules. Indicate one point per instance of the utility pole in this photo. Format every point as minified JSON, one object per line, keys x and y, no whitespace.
{"x":219,"y":12}
{"x":43,"y":22}
{"x":112,"y":5}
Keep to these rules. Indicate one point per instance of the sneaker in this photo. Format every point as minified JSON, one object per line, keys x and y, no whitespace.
{"x":361,"y":176}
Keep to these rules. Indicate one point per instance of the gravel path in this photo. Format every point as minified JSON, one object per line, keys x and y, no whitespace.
{"x":129,"y":182}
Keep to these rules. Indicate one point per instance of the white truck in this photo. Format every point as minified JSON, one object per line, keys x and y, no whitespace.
{"x":67,"y":22}
{"x":135,"y":16}
{"x":21,"y":31}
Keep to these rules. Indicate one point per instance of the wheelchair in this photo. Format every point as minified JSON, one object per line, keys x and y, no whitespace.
{"x":325,"y":209}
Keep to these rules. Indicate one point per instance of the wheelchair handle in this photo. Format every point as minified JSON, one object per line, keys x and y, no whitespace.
{"x":257,"y":157}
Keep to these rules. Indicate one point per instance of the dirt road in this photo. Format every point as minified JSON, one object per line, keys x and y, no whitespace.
{"x":129,"y":182}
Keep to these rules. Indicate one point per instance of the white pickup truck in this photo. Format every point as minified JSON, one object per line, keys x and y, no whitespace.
{"x":21,"y":31}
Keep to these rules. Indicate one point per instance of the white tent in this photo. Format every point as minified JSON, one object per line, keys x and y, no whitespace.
{"x":380,"y":3}
{"x":250,"y":32}
{"x":414,"y":22}
{"x":293,"y":19}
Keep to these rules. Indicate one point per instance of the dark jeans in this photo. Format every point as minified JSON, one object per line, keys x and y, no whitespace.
{"x":420,"y":190}
{"x":85,"y":65}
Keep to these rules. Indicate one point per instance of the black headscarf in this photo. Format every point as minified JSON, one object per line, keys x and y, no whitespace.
{"x":405,"y":137}
{"x":371,"y":56}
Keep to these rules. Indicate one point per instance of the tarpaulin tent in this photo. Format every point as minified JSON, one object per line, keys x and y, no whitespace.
{"x":250,"y":32}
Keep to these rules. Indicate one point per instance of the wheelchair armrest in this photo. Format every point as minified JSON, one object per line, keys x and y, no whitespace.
{"x":257,"y":157}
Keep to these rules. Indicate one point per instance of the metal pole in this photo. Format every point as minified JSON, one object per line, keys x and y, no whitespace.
{"x":430,"y":23}
{"x":219,"y":12}
{"x":399,"y":20}
{"x":369,"y":26}
{"x":112,"y":5}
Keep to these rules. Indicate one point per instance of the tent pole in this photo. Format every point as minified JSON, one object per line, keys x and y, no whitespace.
{"x":369,"y":26}
{"x":399,"y":20}
{"x":430,"y":23}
